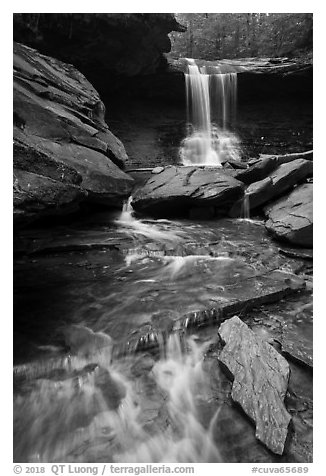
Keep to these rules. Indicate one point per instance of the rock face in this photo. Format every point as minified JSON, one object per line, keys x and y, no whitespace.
{"x":176,"y":190}
{"x":61,"y":139}
{"x":257,"y":77}
{"x":261,"y":378}
{"x":103,"y":46}
{"x":282,"y":66}
{"x":291,"y":217}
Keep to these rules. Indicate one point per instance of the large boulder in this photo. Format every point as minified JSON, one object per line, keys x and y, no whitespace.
{"x":280,"y":181}
{"x":291,"y":217}
{"x":60,"y":134}
{"x":179,"y":190}
{"x":258,"y":169}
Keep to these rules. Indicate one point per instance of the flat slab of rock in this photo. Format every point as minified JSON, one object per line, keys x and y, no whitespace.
{"x":297,"y":342}
{"x":261,"y":377}
{"x":177,"y":189}
{"x":291,"y":217}
{"x":282,"y":159}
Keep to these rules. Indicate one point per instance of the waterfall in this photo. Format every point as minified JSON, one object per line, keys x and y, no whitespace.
{"x":211,"y":109}
{"x":245,"y":208}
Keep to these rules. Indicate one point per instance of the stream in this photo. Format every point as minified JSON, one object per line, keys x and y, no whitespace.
{"x":116,"y":343}
{"x":107,"y":367}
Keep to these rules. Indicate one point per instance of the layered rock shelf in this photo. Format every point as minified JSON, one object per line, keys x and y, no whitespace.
{"x":291,"y":217}
{"x":64,"y":152}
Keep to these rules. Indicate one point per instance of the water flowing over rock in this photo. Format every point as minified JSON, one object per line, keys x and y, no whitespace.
{"x":177,"y":189}
{"x":61,"y":139}
{"x":257,"y":77}
{"x":261,"y":377}
{"x":291,"y":217}
{"x":211,"y":108}
{"x":280,"y":181}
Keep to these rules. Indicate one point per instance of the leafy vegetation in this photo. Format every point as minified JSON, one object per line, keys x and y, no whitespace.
{"x":234,"y":35}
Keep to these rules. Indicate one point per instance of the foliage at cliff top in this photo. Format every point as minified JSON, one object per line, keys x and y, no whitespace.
{"x":213,"y":36}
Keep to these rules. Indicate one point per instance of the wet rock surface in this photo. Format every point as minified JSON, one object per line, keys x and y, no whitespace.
{"x":240,"y":268}
{"x":291,"y":217}
{"x":179,"y":188}
{"x":279,"y":182}
{"x":61,"y":138}
{"x":134,"y":280}
{"x":260,"y":383}
{"x":281,"y":66}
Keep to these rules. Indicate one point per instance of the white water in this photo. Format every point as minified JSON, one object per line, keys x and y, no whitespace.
{"x":80,"y":426}
{"x":158,"y":230}
{"x":245,"y":209}
{"x":211,"y":109}
{"x":177,"y":266}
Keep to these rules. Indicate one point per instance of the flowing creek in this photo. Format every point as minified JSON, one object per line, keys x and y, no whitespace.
{"x":116,"y":340}
{"x":107,"y":366}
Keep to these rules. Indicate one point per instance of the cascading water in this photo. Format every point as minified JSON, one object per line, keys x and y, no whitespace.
{"x":211,"y":109}
{"x":153,"y":230}
{"x":97,"y":412}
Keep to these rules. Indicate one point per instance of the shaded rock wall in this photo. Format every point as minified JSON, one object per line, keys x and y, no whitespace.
{"x":105,"y":46}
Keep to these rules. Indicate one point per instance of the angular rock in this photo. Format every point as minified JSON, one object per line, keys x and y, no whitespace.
{"x":257,"y":171}
{"x":291,"y":217}
{"x":60,"y":132}
{"x":282,"y":179}
{"x":177,"y":189}
{"x":261,"y":377}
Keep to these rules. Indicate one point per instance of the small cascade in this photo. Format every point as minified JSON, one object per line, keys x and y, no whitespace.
{"x":97,"y":412}
{"x":245,"y":208}
{"x":148,"y":229}
{"x":211,"y":110}
{"x":127,"y":212}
